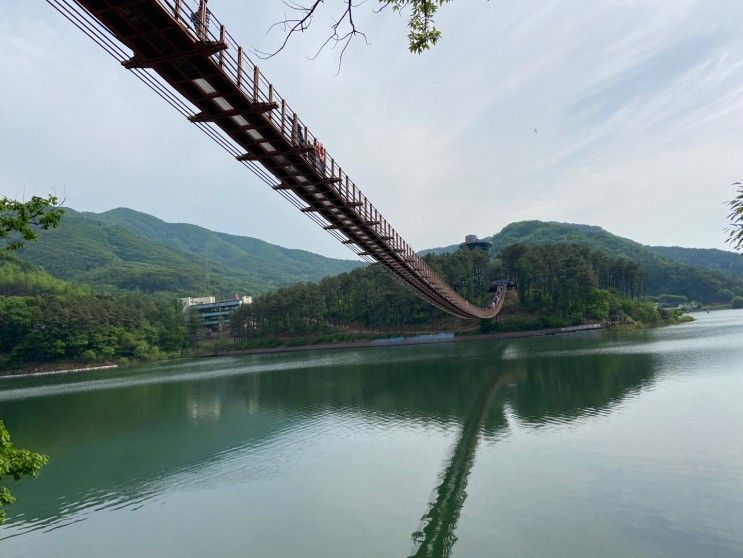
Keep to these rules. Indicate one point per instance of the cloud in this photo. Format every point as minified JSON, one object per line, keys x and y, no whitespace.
{"x":624,"y":115}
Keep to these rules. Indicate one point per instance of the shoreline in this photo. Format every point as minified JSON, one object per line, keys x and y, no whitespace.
{"x":426,"y":339}
{"x":26,"y":373}
{"x":361,"y":344}
{"x":407,"y":341}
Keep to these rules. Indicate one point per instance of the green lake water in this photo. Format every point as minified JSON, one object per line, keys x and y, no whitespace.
{"x":611,"y":444}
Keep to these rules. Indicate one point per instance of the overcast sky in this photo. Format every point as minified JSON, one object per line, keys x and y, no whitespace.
{"x":627,"y":115}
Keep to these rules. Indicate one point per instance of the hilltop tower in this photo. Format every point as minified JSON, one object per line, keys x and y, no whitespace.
{"x":472,"y":242}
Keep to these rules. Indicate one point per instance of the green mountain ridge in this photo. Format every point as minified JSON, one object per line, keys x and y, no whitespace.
{"x":127,"y":250}
{"x":710,"y":258}
{"x":704,"y":275}
{"x":123,"y":249}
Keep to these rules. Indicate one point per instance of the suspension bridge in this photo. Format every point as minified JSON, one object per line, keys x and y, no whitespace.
{"x":182,"y":52}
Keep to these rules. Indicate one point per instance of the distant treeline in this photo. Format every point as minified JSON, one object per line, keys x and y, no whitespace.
{"x":362,"y":300}
{"x":665,"y":275}
{"x":124,"y":250}
{"x":567,"y":282}
{"x":579,"y":283}
{"x":563,"y":278}
{"x":45,"y":319}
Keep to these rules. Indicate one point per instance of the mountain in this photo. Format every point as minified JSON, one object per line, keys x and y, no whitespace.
{"x":711,"y":258}
{"x":128,"y":250}
{"x":682,"y":271}
{"x":274,"y":264}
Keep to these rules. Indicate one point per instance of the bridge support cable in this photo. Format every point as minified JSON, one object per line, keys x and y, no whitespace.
{"x":84,"y":21}
{"x":183,"y":53}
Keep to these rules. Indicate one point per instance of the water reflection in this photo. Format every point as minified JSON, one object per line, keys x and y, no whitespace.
{"x":539,"y":394}
{"x":120,"y":445}
{"x":436,"y":536}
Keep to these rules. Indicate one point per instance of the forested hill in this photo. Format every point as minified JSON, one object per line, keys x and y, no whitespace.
{"x":719,"y":260}
{"x":129,"y":250}
{"x":682,"y":271}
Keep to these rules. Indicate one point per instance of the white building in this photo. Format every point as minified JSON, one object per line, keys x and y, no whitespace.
{"x":213,"y":312}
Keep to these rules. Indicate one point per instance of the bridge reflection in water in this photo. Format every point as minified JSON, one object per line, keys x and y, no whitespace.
{"x":436,"y":536}
{"x":590,"y":390}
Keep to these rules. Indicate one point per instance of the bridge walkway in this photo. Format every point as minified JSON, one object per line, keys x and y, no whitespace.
{"x":179,"y":46}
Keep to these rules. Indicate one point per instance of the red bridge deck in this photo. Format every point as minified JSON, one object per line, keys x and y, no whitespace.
{"x":178,"y":46}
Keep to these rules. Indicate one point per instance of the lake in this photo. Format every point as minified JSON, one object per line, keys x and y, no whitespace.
{"x":610,"y":443}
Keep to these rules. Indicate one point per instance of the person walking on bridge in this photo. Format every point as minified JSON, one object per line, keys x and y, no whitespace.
{"x":200,"y":20}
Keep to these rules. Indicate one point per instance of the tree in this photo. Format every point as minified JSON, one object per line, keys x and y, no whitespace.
{"x":422,"y":32}
{"x":20,"y":221}
{"x":15,"y":463}
{"x":194,"y":324}
{"x":737,"y":302}
{"x":735,"y":237}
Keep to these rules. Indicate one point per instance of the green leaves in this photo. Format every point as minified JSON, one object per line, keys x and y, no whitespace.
{"x":15,"y":463}
{"x":21,"y":220}
{"x":362,"y":300}
{"x":422,"y":33}
{"x":91,"y":328}
{"x":563,"y":278}
{"x":735,"y":233}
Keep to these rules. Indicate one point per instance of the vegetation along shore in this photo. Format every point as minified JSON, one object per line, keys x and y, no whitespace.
{"x":77,"y":317}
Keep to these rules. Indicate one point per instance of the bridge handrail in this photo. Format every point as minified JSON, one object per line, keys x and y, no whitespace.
{"x":182,"y":10}
{"x":389,"y":247}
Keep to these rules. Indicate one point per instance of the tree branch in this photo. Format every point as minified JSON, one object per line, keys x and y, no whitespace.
{"x":422,"y":33}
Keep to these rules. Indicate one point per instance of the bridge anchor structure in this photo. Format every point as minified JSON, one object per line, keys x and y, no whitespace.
{"x":181,"y":51}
